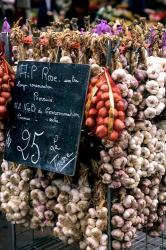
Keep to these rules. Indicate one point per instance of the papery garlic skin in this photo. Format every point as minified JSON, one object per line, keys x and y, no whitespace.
{"x":145,"y":151}
{"x":152,"y":101}
{"x":27,"y":203}
{"x":118,"y":75}
{"x":65,"y":59}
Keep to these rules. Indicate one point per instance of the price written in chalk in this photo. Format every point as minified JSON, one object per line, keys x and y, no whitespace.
{"x":32,"y":141}
{"x":47,"y":112}
{"x":26,"y":137}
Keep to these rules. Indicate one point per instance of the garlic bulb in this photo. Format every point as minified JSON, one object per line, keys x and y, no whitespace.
{"x":71,"y":219}
{"x":14,"y":194}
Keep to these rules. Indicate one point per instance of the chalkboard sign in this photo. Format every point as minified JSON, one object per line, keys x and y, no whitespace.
{"x":46,"y":115}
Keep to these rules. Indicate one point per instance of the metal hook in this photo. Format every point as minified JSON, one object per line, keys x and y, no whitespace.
{"x":110,"y":51}
{"x":117,"y":45}
{"x":137,"y":50}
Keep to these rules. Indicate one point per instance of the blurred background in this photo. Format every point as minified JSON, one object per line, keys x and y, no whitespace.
{"x":42,"y":12}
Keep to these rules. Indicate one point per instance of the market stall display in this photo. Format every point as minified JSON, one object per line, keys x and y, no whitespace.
{"x":123,"y":139}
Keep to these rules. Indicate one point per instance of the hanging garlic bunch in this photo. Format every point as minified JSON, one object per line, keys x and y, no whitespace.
{"x":159,"y":224}
{"x":139,"y":153}
{"x":95,"y":236}
{"x":132,"y":95}
{"x":28,"y":197}
{"x":72,"y":207}
{"x":14,"y":194}
{"x":125,"y":162}
{"x":150,"y":189}
{"x":125,"y":220}
{"x":119,"y":167}
{"x":155,"y":87}
{"x":43,"y":194}
{"x":150,"y":210}
{"x":144,"y":101}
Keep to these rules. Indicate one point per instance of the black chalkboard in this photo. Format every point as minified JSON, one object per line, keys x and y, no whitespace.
{"x":46,"y":115}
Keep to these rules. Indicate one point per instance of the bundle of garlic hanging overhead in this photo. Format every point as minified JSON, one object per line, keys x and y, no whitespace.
{"x":43,"y":196}
{"x":28,"y":197}
{"x":124,"y":220}
{"x":155,"y":86}
{"x":15,"y":196}
{"x":72,"y":208}
{"x":95,"y":223}
{"x":141,"y":145}
{"x":138,"y":154}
